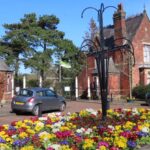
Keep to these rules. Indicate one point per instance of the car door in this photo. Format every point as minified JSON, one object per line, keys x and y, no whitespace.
{"x":40,"y":96}
{"x":52,"y":100}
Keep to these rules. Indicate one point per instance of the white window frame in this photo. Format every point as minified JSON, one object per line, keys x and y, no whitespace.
{"x":146,"y":51}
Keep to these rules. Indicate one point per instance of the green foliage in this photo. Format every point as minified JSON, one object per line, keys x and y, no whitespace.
{"x":32,"y":83}
{"x":140,"y":91}
{"x":36,"y":42}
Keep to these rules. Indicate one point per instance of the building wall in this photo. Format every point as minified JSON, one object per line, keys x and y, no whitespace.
{"x":83,"y":76}
{"x":142,"y":37}
{"x":2,"y":84}
{"x":114,"y":84}
{"x":5,"y":85}
{"x":119,"y":84}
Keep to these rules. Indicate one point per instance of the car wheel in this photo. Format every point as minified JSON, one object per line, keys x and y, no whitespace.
{"x":62,"y":106}
{"x":35,"y":110}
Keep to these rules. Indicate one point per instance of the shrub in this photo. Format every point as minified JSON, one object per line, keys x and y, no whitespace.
{"x":140,"y":91}
{"x":32,"y":83}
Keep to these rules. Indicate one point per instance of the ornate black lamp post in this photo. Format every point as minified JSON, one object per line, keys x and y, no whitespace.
{"x":102,"y":53}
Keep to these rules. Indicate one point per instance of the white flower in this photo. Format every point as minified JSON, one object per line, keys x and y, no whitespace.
{"x":81,"y":130}
{"x":14,"y":136}
{"x":54,"y":130}
{"x":42,"y":118}
{"x":92,"y":111}
{"x":145,"y":129}
{"x":135,"y":111}
{"x":111,"y":127}
{"x":43,"y":133}
{"x":55,"y":146}
{"x":40,"y":124}
{"x":88,"y":131}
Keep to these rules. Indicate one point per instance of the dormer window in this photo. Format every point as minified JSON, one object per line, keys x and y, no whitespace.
{"x":146,"y":53}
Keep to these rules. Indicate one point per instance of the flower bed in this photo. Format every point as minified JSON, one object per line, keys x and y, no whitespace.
{"x":124,"y":129}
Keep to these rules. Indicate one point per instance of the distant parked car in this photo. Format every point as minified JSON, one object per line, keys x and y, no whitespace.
{"x":147,"y":97}
{"x":30,"y":100}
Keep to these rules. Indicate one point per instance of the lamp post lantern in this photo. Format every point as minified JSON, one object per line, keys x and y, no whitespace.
{"x":101,"y":53}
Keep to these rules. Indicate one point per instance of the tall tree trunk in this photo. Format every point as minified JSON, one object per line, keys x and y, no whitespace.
{"x":44,"y":65}
{"x":17,"y":70}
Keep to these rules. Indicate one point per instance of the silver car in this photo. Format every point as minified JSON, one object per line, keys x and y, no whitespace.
{"x":33,"y":99}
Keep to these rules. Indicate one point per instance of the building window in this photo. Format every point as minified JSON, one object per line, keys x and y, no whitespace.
{"x":148,"y":77}
{"x":146,"y":53}
{"x":95,"y":64}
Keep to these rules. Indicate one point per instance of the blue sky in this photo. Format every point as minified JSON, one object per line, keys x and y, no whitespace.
{"x":68,"y":11}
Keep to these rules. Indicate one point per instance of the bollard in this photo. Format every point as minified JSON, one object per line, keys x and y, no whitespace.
{"x":40,"y":110}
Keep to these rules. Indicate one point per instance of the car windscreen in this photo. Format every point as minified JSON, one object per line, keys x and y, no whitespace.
{"x":25,"y":92}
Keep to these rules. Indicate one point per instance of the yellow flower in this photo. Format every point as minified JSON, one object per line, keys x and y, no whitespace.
{"x":65,"y":147}
{"x":30,"y":131}
{"x":94,"y":127}
{"x":27,"y":148}
{"x":143,"y":117}
{"x":64,"y":128}
{"x":118,"y":127}
{"x":141,"y":110}
{"x":73,"y":115}
{"x":39,"y":126}
{"x":107,"y":139}
{"x":18,"y":124}
{"x":10,"y":140}
{"x":70,"y":125}
{"x":2,"y":133}
{"x":83,"y":113}
{"x":44,"y":136}
{"x":6,"y":126}
{"x":4,"y":147}
{"x":23,"y":135}
{"x":120,"y":142}
{"x":48,"y":125}
{"x":88,"y":143}
{"x":129,"y":125}
{"x":102,"y":148}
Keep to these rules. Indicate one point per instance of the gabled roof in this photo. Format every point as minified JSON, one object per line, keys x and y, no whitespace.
{"x":132,"y":24}
{"x":3,"y":66}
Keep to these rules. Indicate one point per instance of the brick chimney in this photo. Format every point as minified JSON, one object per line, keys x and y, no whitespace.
{"x":119,"y":32}
{"x":119,"y":24}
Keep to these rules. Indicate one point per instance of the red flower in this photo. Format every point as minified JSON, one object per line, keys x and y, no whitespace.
{"x":11,"y":132}
{"x":36,"y":141}
{"x":95,"y":139}
{"x":48,"y":121}
{"x":1,"y":128}
{"x":23,"y":129}
{"x":14,"y":123}
{"x":34,"y":118}
{"x":114,"y":148}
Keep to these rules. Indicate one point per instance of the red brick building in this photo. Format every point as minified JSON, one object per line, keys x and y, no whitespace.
{"x":5,"y":82}
{"x":137,"y":30}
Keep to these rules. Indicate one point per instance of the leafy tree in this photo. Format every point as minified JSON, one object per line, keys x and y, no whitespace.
{"x":12,"y":45}
{"x":37,"y":43}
